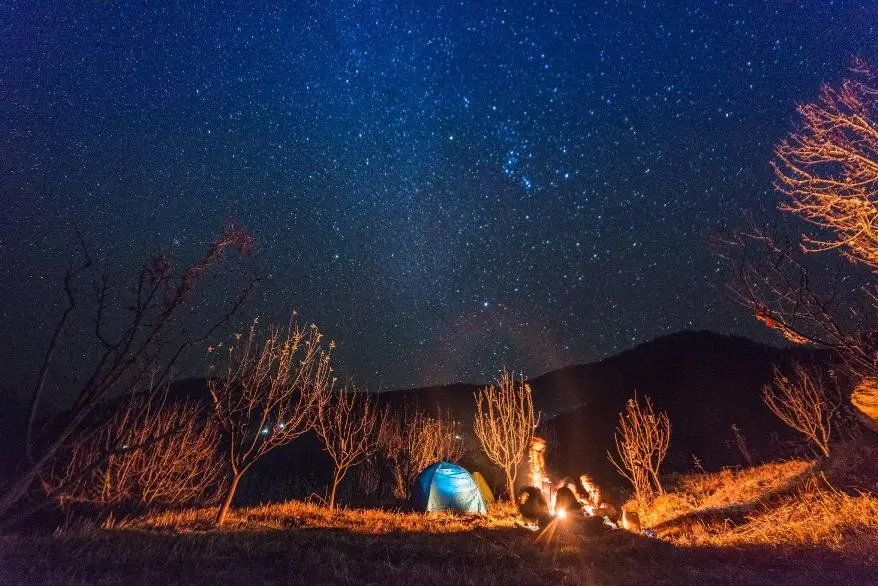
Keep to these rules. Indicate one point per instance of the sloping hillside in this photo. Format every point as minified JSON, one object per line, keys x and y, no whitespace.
{"x":705,"y":381}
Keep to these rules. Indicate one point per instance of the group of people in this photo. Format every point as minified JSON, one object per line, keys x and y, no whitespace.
{"x":566,"y":494}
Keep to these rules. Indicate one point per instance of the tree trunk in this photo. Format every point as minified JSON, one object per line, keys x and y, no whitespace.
{"x":336,"y":479}
{"x":221,"y":516}
{"x":510,"y":487}
{"x":400,"y":490}
{"x":658,"y":484}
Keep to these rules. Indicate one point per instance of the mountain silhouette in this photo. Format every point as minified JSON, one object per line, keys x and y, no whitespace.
{"x":705,"y":381}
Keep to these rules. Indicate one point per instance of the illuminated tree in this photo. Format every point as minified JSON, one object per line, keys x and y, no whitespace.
{"x":827,"y":171}
{"x":412,"y":440}
{"x":802,"y":403}
{"x":348,"y":424}
{"x":642,"y":440}
{"x":505,"y":422}
{"x":268,"y":392}
{"x":138,"y":334}
{"x":149,"y":453}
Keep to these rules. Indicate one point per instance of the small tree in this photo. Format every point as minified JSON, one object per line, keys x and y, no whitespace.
{"x":148,"y":454}
{"x":642,"y":440}
{"x":504,"y":423}
{"x":347,"y":422}
{"x":803,"y":404}
{"x":268,"y":393}
{"x":412,"y":440}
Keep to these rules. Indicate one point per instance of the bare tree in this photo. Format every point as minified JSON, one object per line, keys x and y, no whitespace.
{"x":827,"y":172}
{"x":828,"y":169}
{"x":348,"y":424}
{"x":504,"y":423}
{"x":642,"y":440}
{"x":150,"y":453}
{"x":412,"y":440}
{"x":138,"y":335}
{"x":268,"y":393}
{"x":802,"y":403}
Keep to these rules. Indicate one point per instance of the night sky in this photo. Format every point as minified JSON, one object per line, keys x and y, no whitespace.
{"x":442,"y":188}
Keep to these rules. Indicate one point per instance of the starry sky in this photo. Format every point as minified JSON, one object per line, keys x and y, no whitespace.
{"x":444,"y":188}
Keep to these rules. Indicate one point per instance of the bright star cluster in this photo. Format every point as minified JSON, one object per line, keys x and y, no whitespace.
{"x":444,"y":187}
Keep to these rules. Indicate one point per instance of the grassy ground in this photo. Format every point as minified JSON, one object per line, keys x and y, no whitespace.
{"x":779,"y":523}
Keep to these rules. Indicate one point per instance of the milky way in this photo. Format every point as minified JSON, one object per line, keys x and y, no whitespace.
{"x":443,"y":188}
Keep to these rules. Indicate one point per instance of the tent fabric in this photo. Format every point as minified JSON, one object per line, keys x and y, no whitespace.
{"x":447,"y":487}
{"x":487,"y":495}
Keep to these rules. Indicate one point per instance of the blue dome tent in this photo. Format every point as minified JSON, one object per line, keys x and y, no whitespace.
{"x":447,"y":487}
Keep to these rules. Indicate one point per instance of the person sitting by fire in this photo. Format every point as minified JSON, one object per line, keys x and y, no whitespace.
{"x":592,"y":496}
{"x":567,"y":498}
{"x":539,"y":476}
{"x":593,"y":501}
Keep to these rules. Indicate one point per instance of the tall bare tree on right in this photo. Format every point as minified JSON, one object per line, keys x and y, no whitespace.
{"x":505,"y":422}
{"x":817,"y":284}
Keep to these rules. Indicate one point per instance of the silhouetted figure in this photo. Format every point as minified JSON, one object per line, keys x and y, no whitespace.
{"x":593,"y":500}
{"x":566,"y":500}
{"x":592,"y":495}
{"x":533,"y":506}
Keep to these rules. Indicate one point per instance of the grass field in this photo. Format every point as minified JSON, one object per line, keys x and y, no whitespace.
{"x":775,"y":524}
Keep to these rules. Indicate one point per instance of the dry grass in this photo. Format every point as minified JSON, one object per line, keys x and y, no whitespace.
{"x":788,"y":506}
{"x":296,"y":514}
{"x":778,"y":523}
{"x":301,"y":543}
{"x":727,"y":491}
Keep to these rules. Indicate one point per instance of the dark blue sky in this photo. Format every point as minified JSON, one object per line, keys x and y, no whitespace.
{"x":442,"y":188}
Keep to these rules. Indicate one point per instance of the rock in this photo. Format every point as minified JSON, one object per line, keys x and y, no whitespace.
{"x":631,"y":521}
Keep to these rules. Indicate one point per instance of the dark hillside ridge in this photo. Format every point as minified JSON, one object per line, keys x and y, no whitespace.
{"x":705,"y":381}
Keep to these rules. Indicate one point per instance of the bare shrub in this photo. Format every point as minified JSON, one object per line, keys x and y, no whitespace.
{"x":412,"y":440}
{"x":268,"y":393}
{"x":504,"y":423}
{"x":642,"y":438}
{"x":149,"y":454}
{"x":348,"y":424}
{"x":802,"y":403}
{"x":135,"y":333}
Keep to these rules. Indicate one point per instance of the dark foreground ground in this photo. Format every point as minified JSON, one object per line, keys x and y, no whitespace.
{"x":296,"y":543}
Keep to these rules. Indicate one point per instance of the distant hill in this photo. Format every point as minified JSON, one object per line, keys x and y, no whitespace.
{"x":705,"y":381}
